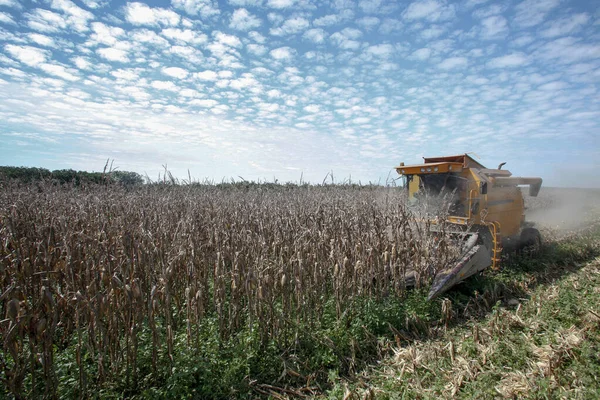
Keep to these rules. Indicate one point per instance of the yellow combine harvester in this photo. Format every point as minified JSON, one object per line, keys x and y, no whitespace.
{"x":486,"y":207}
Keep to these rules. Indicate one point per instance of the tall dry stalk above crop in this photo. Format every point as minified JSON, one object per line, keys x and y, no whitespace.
{"x":109,"y":270}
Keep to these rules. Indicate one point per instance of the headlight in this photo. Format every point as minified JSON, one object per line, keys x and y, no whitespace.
{"x":429,"y":169}
{"x":422,"y":169}
{"x":403,"y":171}
{"x":435,"y":169}
{"x":450,"y":168}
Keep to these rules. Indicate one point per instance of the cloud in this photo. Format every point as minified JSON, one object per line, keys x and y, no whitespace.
{"x":532,"y":12}
{"x":45,"y":20}
{"x":184,"y":35}
{"x":280,"y":3}
{"x":381,"y":50}
{"x":494,"y":27}
{"x":568,"y":50}
{"x":283,"y":53}
{"x":493,"y":9}
{"x":59,"y":71}
{"x":421,"y":54}
{"x":312,"y":108}
{"x":112,"y":54}
{"x":316,"y":35}
{"x":77,"y":17}
{"x":229,"y":40}
{"x":42,"y":40}
{"x":175,"y":72}
{"x":565,"y":26}
{"x":141,"y":14}
{"x":370,"y":6}
{"x":454,"y":62}
{"x":204,"y":8}
{"x":512,"y":60}
{"x":291,"y":27}
{"x":164,"y":85}
{"x":368,"y":23}
{"x":207,"y":75}
{"x":430,"y":10}
{"x":242,"y":20}
{"x":11,"y":3}
{"x":6,"y":18}
{"x":28,"y":55}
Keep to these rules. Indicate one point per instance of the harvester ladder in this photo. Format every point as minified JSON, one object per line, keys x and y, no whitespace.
{"x":496,"y":243}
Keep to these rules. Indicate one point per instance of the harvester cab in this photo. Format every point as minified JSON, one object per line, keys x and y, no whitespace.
{"x":485,"y":207}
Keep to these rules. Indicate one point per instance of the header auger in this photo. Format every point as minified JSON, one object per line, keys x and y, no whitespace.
{"x":486,"y":211}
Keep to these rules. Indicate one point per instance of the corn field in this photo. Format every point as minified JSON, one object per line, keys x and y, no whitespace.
{"x":107,"y":271}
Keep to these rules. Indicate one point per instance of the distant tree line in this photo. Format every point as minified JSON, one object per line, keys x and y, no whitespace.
{"x":68,"y":176}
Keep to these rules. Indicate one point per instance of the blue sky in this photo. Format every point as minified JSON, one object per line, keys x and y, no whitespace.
{"x":268,"y":89}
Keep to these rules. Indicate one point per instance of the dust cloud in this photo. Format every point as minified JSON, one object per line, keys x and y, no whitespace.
{"x":563,"y":209}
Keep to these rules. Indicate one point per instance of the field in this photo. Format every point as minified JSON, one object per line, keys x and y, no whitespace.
{"x":242,"y":290}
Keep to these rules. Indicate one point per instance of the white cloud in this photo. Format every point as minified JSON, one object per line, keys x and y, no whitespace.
{"x":175,"y":72}
{"x":207,"y":75}
{"x":280,"y":3}
{"x":112,"y":54}
{"x":565,"y":26}
{"x":77,"y":17}
{"x":59,"y":70}
{"x":257,"y":49}
{"x":184,"y":35}
{"x":283,"y":53}
{"x":381,"y":50}
{"x":93,"y":4}
{"x":291,"y":27}
{"x":81,"y":62}
{"x":125,"y":74}
{"x":493,"y":9}
{"x":42,"y":40}
{"x":453,"y":62}
{"x":206,"y":103}
{"x":204,"y":8}
{"x":141,"y":14}
{"x":45,"y":20}
{"x":6,"y":18}
{"x":10,"y":3}
{"x":568,"y":50}
{"x":532,"y":12}
{"x":494,"y":27}
{"x":243,"y":20}
{"x":312,"y":108}
{"x":229,"y":40}
{"x":368,"y":23}
{"x":370,"y":6}
{"x":31,"y":56}
{"x":104,"y":34}
{"x":421,"y":54}
{"x":327,"y":20}
{"x":164,"y":85}
{"x":554,"y":86}
{"x":246,"y":3}
{"x":431,"y":10}
{"x":509,"y":61}
{"x":316,"y":35}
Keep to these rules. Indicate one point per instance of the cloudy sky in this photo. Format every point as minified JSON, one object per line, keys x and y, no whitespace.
{"x":268,"y":89}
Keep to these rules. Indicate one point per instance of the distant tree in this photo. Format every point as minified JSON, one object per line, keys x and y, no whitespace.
{"x":68,"y":176}
{"x":126,"y":177}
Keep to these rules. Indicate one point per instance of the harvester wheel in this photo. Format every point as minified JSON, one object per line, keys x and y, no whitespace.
{"x":530,"y":241}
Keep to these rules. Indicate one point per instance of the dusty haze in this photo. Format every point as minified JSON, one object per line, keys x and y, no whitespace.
{"x":563,"y":209}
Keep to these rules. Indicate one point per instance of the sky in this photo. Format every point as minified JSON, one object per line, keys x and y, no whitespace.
{"x":301,"y":89}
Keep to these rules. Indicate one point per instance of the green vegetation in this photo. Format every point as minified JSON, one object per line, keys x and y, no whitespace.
{"x":67,"y":176}
{"x":531,"y":330}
